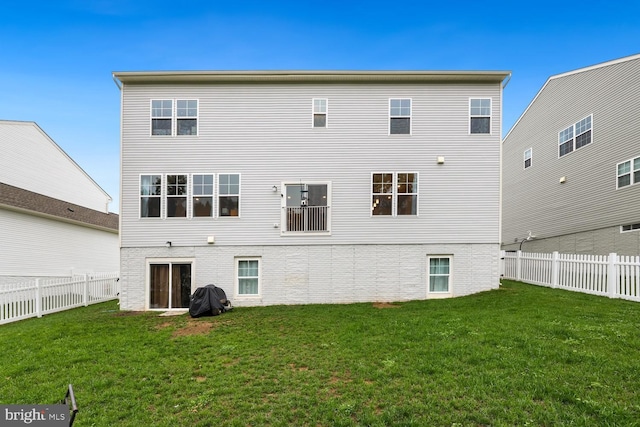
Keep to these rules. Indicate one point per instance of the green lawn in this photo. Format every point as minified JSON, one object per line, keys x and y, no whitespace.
{"x":521,"y":355}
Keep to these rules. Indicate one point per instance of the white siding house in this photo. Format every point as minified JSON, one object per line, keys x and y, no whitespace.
{"x":54,"y":219}
{"x":309,"y":187}
{"x":571,"y":164}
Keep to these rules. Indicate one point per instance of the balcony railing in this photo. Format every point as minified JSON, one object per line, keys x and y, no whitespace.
{"x":307,"y":219}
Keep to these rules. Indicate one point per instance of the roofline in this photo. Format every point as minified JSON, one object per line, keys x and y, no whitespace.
{"x":307,"y":76}
{"x":570,"y":73}
{"x":59,"y":218}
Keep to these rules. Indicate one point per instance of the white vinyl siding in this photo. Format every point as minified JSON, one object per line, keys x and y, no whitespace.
{"x":264,"y":136}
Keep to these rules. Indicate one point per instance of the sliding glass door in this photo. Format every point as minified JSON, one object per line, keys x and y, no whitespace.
{"x":169,"y":285}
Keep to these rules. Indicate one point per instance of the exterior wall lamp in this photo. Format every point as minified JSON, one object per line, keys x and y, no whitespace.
{"x":168,"y":244}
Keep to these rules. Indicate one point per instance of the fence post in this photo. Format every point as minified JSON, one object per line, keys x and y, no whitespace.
{"x":38,"y":299}
{"x":555,"y":264}
{"x":518,"y":265}
{"x":85,"y":296}
{"x":612,"y":276}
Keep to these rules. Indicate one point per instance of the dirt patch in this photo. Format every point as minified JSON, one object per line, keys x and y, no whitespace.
{"x":193,"y":327}
{"x":127,"y":313}
{"x":385,"y":305}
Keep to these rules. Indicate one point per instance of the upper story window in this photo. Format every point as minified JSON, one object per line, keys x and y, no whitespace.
{"x":306,"y":207}
{"x":229,"y":195}
{"x":575,"y":136}
{"x":319,"y":113}
{"x":187,"y":117}
{"x":177,"y":196}
{"x":202,"y":199}
{"x":161,"y":116}
{"x":399,"y":116}
{"x":628,"y":173}
{"x":527,"y":158}
{"x":150,"y":196}
{"x":394,"y":194}
{"x":480,"y":115}
{"x":164,"y":115}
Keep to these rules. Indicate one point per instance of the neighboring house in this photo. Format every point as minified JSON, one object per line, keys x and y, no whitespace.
{"x":309,"y":187}
{"x":54,"y":219}
{"x":571,"y":164}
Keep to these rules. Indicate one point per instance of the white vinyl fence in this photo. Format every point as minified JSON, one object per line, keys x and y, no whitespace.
{"x":43,"y":296}
{"x":610,"y":275}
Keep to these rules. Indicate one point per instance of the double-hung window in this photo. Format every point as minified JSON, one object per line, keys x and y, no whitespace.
{"x":161,"y":116}
{"x":575,"y":136}
{"x":480,"y":115}
{"x":248,"y":276}
{"x":319,"y":113}
{"x":628,"y":173}
{"x":394,"y":194}
{"x":439,"y":274}
{"x":527,"y":158}
{"x":167,"y":120}
{"x":229,"y":195}
{"x":150,"y":196}
{"x":400,"y":116}
{"x":202,"y":196}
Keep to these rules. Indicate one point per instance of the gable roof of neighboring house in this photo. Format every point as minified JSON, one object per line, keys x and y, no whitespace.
{"x":569,"y":73}
{"x":21,"y":200}
{"x":28,"y":163}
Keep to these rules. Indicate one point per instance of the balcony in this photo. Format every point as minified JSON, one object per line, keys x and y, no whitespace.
{"x":307,"y":219}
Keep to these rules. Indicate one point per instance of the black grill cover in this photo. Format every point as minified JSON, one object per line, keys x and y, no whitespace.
{"x":209,"y":300}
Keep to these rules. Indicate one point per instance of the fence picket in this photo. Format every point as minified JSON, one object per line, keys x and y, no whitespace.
{"x":43,"y":296}
{"x":606,"y":275}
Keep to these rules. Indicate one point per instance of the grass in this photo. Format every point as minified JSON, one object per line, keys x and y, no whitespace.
{"x":521,"y":355}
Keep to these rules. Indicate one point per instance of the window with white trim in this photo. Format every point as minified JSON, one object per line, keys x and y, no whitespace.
{"x":306,"y":208}
{"x":628,"y":172}
{"x":629,"y":227}
{"x":480,"y":115}
{"x":229,"y":195}
{"x":202,"y":195}
{"x":527,"y":158}
{"x":575,"y":136}
{"x":177,"y":190}
{"x":150,"y":196}
{"x":319,"y":113}
{"x":394,"y":194}
{"x":399,"y":116}
{"x":439,"y":274}
{"x":187,"y":117}
{"x":248,"y":276}
{"x":163,"y":117}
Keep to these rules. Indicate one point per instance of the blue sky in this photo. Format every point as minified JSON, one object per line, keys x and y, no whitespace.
{"x":58,"y":56}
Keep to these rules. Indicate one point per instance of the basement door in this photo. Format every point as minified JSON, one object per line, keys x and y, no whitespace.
{"x":169,"y":285}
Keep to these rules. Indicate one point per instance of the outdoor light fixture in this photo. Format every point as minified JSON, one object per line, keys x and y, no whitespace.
{"x":168,"y":244}
{"x":274,"y":188}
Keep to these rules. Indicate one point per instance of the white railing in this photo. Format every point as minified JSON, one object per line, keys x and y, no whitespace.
{"x":610,"y":275}
{"x":308,"y":219}
{"x":43,"y":296}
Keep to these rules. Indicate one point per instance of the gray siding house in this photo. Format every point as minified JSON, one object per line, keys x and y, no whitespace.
{"x":571,"y":164}
{"x":309,"y":187}
{"x":54,"y":219}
